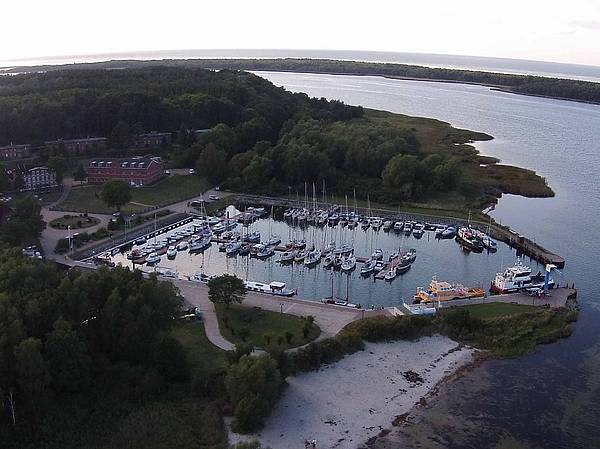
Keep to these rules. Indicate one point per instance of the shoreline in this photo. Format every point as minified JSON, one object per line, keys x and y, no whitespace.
{"x":360,"y":408}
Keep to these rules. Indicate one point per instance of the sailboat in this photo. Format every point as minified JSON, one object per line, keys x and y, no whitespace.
{"x":273,"y":239}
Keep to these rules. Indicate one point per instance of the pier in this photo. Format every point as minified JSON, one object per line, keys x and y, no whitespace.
{"x":557,"y":297}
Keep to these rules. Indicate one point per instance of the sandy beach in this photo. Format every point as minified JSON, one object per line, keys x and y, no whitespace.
{"x":345,"y":404}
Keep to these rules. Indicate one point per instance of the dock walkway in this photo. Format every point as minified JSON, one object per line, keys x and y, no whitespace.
{"x":558,"y":297}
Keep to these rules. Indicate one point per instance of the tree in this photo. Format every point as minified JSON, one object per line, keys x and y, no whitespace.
{"x":80,"y":174}
{"x":253,"y":386}
{"x":68,"y":358}
{"x":31,"y":368}
{"x":212,"y":163}
{"x":226,"y":289}
{"x":59,"y":165}
{"x":25,"y":223}
{"x":116,"y":193}
{"x":120,"y":136}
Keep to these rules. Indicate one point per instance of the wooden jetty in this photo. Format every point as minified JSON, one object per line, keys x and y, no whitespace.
{"x":388,"y":266}
{"x":557,"y":297}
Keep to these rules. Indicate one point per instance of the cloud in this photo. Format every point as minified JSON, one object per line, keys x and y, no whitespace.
{"x":587,"y":24}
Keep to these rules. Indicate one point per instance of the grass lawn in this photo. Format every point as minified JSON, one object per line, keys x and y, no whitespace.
{"x":202,"y":354}
{"x":264,"y":328}
{"x":498,"y":309}
{"x":169,"y":190}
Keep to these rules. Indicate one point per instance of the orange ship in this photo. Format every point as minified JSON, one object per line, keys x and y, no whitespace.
{"x":444,"y":291}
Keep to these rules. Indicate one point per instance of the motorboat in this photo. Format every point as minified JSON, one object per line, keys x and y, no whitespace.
{"x":273,"y":288}
{"x":418,"y":230}
{"x":410,"y":256}
{"x":368,"y":268}
{"x":339,"y":302}
{"x":245,"y":249}
{"x":200,"y":244}
{"x":182,"y":246}
{"x":274,"y":240}
{"x":408,"y":226}
{"x":449,"y":232}
{"x":265,"y":252}
{"x":349,"y":264}
{"x":153,"y":259}
{"x":387,"y":225}
{"x":377,"y":254}
{"x":468,"y":239}
{"x":392,"y":256}
{"x":167,"y":273}
{"x":135,"y":254}
{"x":444,"y":291}
{"x":390,"y":275}
{"x":376,"y":223}
{"x":518,"y":277}
{"x":299,"y":244}
{"x":140,"y":241}
{"x":171,"y":252}
{"x":398,"y":226}
{"x":365,"y":224}
{"x":337,"y":262}
{"x":200,"y":277}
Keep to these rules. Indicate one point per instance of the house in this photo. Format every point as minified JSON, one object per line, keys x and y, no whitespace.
{"x":38,"y":178}
{"x":11,"y":151}
{"x":78,"y":146}
{"x":137,"y":171}
{"x":153,"y":139}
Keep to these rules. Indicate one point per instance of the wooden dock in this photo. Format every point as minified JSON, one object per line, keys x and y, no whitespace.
{"x":387,"y":267}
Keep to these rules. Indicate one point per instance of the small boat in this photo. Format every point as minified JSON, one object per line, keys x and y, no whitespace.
{"x":274,"y":240}
{"x":410,"y":255}
{"x":182,"y":246}
{"x":140,"y":241}
{"x":135,"y":254}
{"x":339,"y":302}
{"x":398,"y":226}
{"x":200,"y":244}
{"x":430,"y":226}
{"x":231,"y":249}
{"x":312,"y":258}
{"x":403,"y":267}
{"x":287,"y":257}
{"x":448,"y":233}
{"x":200,"y":277}
{"x":365,"y":224}
{"x":299,"y":244}
{"x":300,"y":255}
{"x":444,"y":291}
{"x":518,"y":277}
{"x":368,"y":268}
{"x":265,"y":252}
{"x":349,"y":264}
{"x":167,"y":273}
{"x":245,"y":249}
{"x":387,"y":225}
{"x":469,"y":240}
{"x":153,"y":259}
{"x":328,"y":261}
{"x":408,"y":226}
{"x":219,"y":228}
{"x":377,"y":254}
{"x":376,"y":223}
{"x":390,"y":275}
{"x":337,"y":262}
{"x":342,"y":250}
{"x":274,"y":288}
{"x":253,"y":237}
{"x":171,"y":252}
{"x":418,"y":230}
{"x":392,"y":256}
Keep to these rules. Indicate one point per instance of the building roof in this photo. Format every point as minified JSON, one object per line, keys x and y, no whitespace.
{"x":129,"y":162}
{"x":86,"y":139}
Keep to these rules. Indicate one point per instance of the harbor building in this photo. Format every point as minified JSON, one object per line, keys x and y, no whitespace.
{"x":38,"y":178}
{"x":11,"y":152}
{"x":78,"y":146}
{"x":137,"y":171}
{"x":153,"y":139}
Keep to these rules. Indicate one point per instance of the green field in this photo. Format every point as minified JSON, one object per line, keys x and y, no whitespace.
{"x":498,"y":309}
{"x":264,"y":328}
{"x":202,"y":354}
{"x":169,"y":190}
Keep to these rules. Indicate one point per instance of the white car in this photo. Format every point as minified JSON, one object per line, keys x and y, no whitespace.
{"x":213,"y":197}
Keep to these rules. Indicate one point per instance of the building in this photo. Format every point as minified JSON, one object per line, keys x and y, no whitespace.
{"x":153,"y":139}
{"x":78,"y":146}
{"x":38,"y":178}
{"x":11,"y":151}
{"x":137,"y":171}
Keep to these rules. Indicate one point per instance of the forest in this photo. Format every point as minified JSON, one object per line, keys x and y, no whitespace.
{"x":262,"y":138}
{"x":569,"y":89}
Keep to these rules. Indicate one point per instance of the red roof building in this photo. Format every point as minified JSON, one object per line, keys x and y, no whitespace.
{"x":137,"y":171}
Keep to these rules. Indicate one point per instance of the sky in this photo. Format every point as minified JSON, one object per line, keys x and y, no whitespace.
{"x":560,"y":31}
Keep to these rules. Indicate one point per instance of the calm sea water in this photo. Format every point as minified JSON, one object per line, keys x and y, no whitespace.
{"x":551,"y":398}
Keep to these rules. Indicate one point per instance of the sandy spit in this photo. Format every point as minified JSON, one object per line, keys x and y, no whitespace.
{"x":345,"y":404}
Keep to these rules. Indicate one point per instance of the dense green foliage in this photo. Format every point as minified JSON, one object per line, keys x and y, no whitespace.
{"x":82,"y":334}
{"x":116,"y":193}
{"x":23,"y":224}
{"x":226,"y":289}
{"x":253,"y":385}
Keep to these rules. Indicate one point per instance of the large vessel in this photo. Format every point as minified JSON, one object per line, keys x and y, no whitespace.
{"x":469,"y":239}
{"x":444,"y":291}
{"x":518,"y":277}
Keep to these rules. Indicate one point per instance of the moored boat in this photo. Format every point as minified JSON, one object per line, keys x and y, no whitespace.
{"x":444,"y":291}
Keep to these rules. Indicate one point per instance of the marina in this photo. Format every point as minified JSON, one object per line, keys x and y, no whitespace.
{"x":366,"y":267}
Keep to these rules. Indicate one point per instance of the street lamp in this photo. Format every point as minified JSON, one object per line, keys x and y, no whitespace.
{"x":281,"y":308}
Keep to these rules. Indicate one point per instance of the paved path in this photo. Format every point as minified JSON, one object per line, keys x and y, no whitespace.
{"x":331,"y":319}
